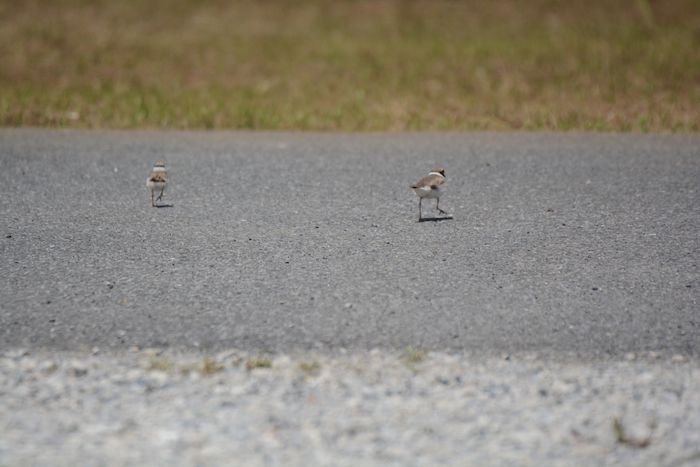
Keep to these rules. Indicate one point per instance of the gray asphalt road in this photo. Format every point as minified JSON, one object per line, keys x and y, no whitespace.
{"x":280,"y":241}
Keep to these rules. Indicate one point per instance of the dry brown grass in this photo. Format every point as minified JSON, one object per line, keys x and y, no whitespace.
{"x":352,"y":65}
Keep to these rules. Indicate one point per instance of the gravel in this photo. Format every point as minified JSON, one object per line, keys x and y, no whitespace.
{"x":150,"y":407}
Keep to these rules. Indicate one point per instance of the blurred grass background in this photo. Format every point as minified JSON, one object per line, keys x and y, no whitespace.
{"x":628,"y":65}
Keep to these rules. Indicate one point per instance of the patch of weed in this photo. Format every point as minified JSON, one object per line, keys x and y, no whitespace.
{"x":310,"y":368}
{"x":259,"y":361}
{"x":412,"y":356}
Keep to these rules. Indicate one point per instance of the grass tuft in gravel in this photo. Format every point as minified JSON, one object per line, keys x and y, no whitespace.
{"x":258,"y":361}
{"x":310,"y":368}
{"x":412,"y":356}
{"x":159,"y":363}
{"x":209,"y":366}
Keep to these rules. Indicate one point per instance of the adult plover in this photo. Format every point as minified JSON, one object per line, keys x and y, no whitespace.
{"x":430,"y":186}
{"x":157,"y":181}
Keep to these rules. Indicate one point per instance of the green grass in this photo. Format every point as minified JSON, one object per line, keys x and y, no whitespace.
{"x":352,"y":65}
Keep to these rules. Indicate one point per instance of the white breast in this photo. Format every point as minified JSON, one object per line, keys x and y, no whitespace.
{"x":154,"y":185}
{"x":427,"y":192}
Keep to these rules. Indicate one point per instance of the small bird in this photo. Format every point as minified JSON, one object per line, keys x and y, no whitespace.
{"x":430,"y":186}
{"x":157,"y":181}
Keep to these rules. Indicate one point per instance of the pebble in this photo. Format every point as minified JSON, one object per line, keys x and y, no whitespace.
{"x":360,"y":408}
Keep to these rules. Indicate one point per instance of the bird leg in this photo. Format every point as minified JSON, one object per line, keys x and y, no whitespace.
{"x":153,"y":203}
{"x":160,"y":197}
{"x":437,"y":206}
{"x":420,"y":210}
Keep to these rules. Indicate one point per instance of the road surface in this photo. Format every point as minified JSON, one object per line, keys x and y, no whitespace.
{"x":574,"y":243}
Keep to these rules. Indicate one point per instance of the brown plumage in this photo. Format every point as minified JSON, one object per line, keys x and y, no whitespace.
{"x":433,"y":181}
{"x":158,"y":177}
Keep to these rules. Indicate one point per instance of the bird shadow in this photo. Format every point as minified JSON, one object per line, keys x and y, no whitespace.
{"x":159,"y":206}
{"x":436,"y":219}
